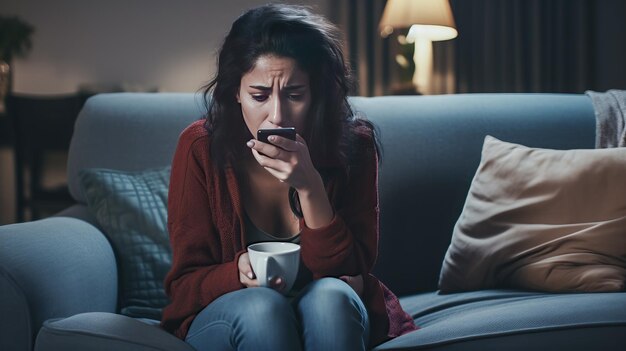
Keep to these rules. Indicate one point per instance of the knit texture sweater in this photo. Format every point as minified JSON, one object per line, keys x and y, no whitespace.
{"x":207,"y":235}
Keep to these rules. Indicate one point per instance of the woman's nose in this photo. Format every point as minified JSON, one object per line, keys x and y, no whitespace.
{"x":277,"y":116}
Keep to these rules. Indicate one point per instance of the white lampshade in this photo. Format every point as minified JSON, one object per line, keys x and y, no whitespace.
{"x":429,"y":19}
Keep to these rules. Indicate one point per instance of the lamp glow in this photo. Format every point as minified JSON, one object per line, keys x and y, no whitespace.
{"x":428,"y":21}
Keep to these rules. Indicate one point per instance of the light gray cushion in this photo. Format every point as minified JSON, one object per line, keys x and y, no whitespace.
{"x":105,"y":331}
{"x":131,"y":208}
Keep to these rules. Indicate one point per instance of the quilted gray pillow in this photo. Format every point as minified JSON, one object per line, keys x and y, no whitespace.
{"x":131,"y":209}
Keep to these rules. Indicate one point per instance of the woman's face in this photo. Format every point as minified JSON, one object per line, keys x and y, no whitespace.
{"x":274,"y":94}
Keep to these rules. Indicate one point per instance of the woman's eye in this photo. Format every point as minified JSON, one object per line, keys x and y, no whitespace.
{"x":259,"y":98}
{"x":295,"y":96}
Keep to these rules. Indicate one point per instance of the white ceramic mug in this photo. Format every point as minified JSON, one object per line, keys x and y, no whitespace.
{"x":275,"y":259}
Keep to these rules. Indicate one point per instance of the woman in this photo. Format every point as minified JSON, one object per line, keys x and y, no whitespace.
{"x":279,"y":66}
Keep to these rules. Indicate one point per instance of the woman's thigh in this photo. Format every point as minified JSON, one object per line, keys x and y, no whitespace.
{"x":246,"y":319}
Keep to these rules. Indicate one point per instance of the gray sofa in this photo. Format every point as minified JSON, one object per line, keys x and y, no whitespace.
{"x":61,"y":272}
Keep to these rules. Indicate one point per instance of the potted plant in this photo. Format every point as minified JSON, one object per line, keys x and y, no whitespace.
{"x":15,"y":41}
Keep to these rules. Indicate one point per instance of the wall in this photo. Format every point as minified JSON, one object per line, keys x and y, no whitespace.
{"x":140,"y":44}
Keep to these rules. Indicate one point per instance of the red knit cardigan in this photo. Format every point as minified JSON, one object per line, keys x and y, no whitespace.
{"x":206,"y":230}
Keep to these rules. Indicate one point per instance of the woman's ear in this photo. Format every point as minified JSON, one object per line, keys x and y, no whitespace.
{"x":238,"y":99}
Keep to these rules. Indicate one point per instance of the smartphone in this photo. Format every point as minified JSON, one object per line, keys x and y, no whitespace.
{"x":263,"y":134}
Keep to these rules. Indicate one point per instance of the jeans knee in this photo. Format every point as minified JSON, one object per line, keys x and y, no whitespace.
{"x":246,"y":319}
{"x":329,"y":295}
{"x":259,"y":304}
{"x":332,"y":316}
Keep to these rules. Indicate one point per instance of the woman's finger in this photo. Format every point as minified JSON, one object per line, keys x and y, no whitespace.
{"x":277,"y":283}
{"x":268,"y":150}
{"x":249,"y":283}
{"x":244,"y":265}
{"x":300,"y":139}
{"x":277,"y":165}
{"x":283,"y":143}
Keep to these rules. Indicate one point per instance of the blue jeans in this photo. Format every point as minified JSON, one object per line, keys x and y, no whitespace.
{"x":326,"y":315}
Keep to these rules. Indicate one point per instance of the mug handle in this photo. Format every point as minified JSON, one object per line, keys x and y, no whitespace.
{"x":272,"y":269}
{"x":267,"y":270}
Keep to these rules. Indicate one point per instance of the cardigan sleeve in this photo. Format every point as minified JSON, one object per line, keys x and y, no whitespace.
{"x":349,"y":244}
{"x":198,"y":274}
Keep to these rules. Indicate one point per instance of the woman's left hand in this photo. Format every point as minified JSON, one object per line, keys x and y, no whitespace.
{"x":287,"y":160}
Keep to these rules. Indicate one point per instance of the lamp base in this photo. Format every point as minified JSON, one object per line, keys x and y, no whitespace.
{"x":423,"y":58}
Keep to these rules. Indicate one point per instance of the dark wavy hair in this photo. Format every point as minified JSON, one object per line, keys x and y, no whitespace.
{"x":315,"y":44}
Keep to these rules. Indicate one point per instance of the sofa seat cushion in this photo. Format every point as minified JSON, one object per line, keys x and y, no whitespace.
{"x":514,"y":320}
{"x":106,"y":331}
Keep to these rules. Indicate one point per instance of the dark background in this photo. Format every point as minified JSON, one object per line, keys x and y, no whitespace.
{"x":540,"y":45}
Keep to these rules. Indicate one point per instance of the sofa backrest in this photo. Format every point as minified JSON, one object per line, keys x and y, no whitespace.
{"x":431,"y":149}
{"x":128,"y":131}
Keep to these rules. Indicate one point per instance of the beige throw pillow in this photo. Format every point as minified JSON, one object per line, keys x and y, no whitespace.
{"x":539,"y":219}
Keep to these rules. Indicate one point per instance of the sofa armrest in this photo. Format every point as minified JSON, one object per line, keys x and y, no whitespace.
{"x":51,"y":268}
{"x":106,"y":331}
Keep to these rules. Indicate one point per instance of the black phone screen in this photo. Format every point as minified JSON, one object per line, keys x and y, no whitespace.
{"x":263,"y":134}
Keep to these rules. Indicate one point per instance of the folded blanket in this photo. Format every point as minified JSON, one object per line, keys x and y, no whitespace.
{"x":610,"y":110}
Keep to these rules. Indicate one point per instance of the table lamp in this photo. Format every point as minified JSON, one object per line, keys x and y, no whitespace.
{"x":428,"y":21}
